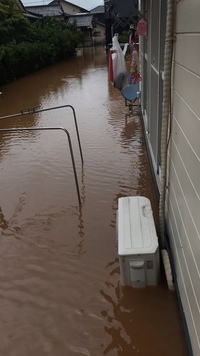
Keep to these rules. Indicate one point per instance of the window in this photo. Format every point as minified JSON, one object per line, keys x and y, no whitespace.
{"x":97,"y":34}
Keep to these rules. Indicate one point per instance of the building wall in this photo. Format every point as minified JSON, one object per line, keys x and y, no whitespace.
{"x":183,"y":205}
{"x":99,"y":34}
{"x":152,"y":76}
{"x":183,"y":173}
{"x":68,"y":8}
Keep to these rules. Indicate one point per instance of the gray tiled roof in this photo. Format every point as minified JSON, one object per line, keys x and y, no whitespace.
{"x":33,"y":16}
{"x":71,"y":3}
{"x":81,"y":20}
{"x":46,"y":10}
{"x":98,"y":10}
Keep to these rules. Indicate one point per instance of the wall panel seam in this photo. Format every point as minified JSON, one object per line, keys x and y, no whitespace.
{"x":186,"y":69}
{"x":187,"y":33}
{"x":192,"y":111}
{"x":192,"y":184}
{"x":187,"y":238}
{"x":184,"y":288}
{"x":185,"y":199}
{"x":188,"y":142}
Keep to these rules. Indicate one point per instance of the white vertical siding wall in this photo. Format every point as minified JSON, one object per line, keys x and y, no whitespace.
{"x":183,"y":194}
{"x":183,"y":204}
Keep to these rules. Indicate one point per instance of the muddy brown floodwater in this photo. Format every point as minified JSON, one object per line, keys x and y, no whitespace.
{"x":60,"y":291}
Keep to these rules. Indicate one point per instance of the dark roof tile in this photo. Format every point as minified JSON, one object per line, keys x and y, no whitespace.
{"x":98,"y":10}
{"x":46,"y":10}
{"x":81,"y":20}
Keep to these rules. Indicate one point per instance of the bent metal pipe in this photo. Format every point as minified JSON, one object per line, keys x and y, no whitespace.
{"x":34,"y":111}
{"x":70,"y":147}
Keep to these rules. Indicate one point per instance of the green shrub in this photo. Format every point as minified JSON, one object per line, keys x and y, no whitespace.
{"x":26,"y":47}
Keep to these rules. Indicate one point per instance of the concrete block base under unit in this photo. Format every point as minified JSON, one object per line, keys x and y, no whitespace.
{"x":138,"y":248}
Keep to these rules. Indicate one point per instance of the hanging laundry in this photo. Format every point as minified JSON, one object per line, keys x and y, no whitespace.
{"x":111,"y":66}
{"x":142,"y":27}
{"x":118,"y":71}
{"x":134,"y":76}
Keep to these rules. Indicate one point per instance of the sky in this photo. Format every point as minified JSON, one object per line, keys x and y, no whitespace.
{"x":86,"y":4}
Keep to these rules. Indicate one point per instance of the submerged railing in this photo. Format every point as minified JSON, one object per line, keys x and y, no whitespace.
{"x":33,"y":111}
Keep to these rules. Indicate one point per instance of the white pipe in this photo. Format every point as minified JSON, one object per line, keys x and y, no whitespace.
{"x":166,"y":114}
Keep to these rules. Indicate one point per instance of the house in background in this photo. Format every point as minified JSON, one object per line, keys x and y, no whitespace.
{"x":29,"y":15}
{"x":21,"y":6}
{"x":92,"y":23}
{"x":47,"y":10}
{"x":85,"y":24}
{"x":120,"y":15}
{"x":171,"y":113}
{"x":99,"y":25}
{"x":68,"y":7}
{"x":99,"y":13}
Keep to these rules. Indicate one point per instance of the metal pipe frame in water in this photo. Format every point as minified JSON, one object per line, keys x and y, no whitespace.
{"x":15,"y":129}
{"x":34,"y":111}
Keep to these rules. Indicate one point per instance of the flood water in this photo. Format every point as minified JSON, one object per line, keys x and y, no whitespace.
{"x":59,"y":273}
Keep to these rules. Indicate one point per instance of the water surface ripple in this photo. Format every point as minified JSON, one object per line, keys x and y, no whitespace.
{"x":59,"y":273}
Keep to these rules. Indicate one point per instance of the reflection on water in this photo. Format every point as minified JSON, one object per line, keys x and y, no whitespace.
{"x":59,"y":272}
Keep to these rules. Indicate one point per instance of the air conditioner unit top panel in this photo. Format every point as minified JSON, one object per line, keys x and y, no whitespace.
{"x":136,"y":228}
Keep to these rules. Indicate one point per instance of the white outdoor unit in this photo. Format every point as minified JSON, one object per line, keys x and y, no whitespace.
{"x":138,"y":248}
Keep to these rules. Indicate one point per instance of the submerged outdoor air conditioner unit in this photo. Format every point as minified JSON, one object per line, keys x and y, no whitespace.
{"x":138,"y":248}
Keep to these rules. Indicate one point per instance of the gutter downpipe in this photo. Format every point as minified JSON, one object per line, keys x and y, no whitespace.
{"x":166,"y":108}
